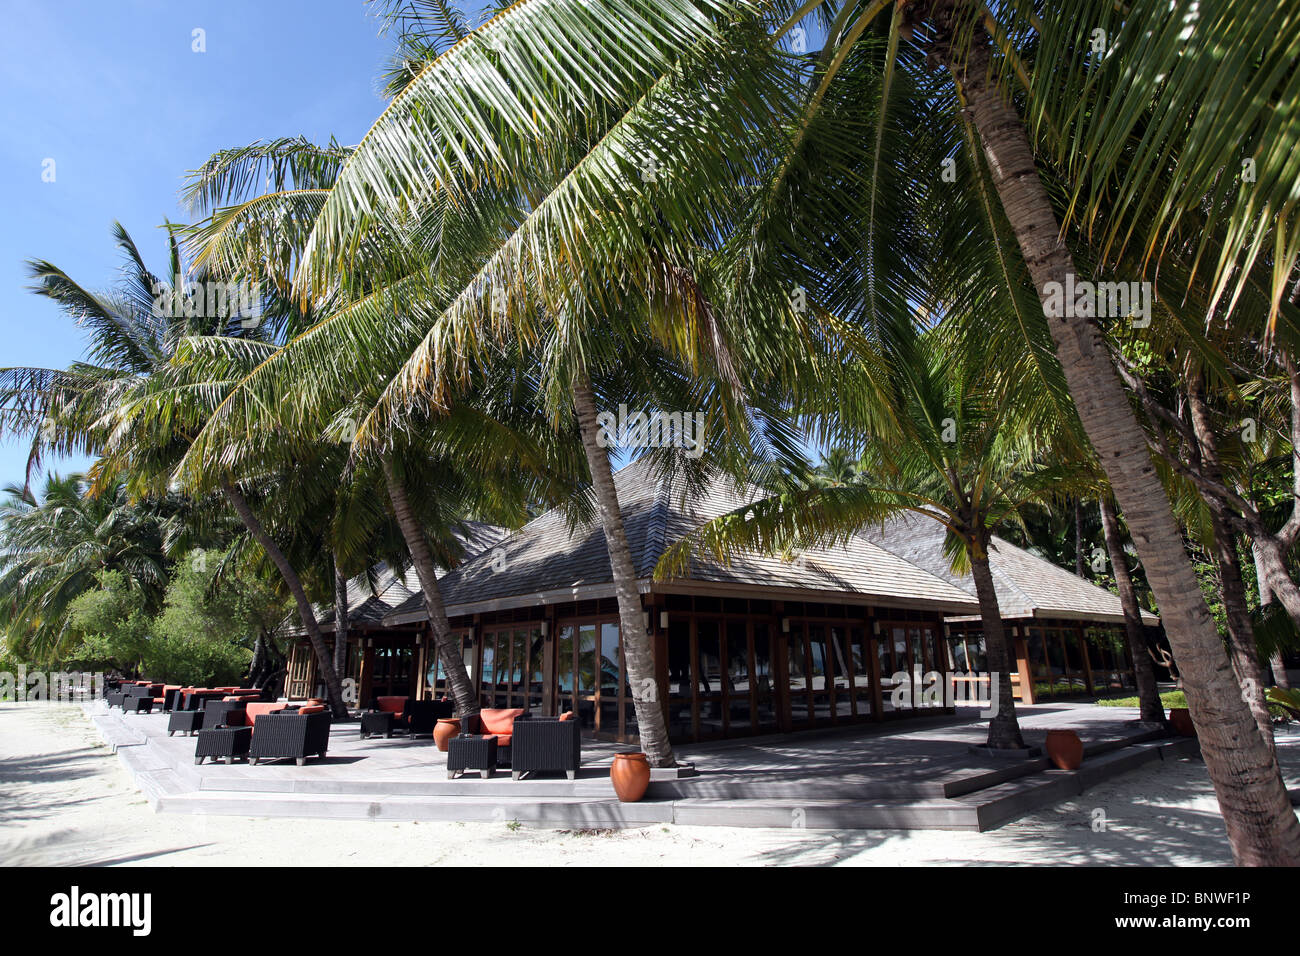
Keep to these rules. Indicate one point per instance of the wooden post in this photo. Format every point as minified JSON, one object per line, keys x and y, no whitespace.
{"x":1023,"y":669}
{"x":367,"y":671}
{"x":549,"y":644}
{"x":1087,"y":664}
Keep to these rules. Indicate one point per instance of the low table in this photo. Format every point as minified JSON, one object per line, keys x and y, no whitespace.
{"x":468,"y":752}
{"x":224,"y":742}
{"x":377,"y":722}
{"x":187,"y":722}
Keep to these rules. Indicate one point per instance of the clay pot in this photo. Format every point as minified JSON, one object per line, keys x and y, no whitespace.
{"x":1181,"y":718}
{"x":1064,"y":749}
{"x":630,"y":774}
{"x":446,"y":728}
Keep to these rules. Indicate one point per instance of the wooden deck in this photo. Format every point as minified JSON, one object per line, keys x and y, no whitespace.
{"x":919,"y":774}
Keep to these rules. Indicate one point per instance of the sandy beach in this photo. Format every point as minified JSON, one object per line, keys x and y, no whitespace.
{"x":65,"y":800}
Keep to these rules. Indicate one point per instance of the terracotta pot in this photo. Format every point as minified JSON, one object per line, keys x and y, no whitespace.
{"x":1065,"y":749}
{"x":446,"y":728}
{"x":1181,"y":718}
{"x":630,"y":774}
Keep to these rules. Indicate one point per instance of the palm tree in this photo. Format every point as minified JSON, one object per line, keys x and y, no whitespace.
{"x":54,"y":545}
{"x":136,"y":332}
{"x":838,"y":467}
{"x":612,"y":75}
{"x":965,"y":455}
{"x":1150,"y":708}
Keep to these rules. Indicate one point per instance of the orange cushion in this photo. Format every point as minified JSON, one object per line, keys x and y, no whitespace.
{"x":567,"y":715}
{"x":315,"y":709}
{"x":253,"y":711}
{"x":503,"y":740}
{"x":499,"y":720}
{"x":391,"y":705}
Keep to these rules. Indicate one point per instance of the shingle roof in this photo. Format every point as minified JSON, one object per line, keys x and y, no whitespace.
{"x":366,"y":607}
{"x":1026,"y":585}
{"x":544,"y":562}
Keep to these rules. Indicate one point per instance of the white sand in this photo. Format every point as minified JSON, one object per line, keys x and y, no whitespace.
{"x":65,"y":799}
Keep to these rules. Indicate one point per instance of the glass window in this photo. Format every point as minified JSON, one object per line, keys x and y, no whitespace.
{"x":679,"y":678}
{"x":586,"y":658}
{"x":710,"y":678}
{"x":957,"y":654}
{"x":763,"y":690}
{"x":487,"y":671}
{"x":738,"y":682}
{"x":609,"y":659}
{"x":536,"y":668}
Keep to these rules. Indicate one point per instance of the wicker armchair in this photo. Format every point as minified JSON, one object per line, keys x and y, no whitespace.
{"x":545,"y":743}
{"x":494,"y":722}
{"x":423,"y":715}
{"x":291,"y":734}
{"x":223,"y":713}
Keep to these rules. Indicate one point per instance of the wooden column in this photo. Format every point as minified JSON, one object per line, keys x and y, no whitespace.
{"x":1023,"y":668}
{"x":1087,"y":664}
{"x":549,"y":695}
{"x":367,"y":672}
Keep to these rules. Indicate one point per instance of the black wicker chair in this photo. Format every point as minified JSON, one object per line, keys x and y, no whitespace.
{"x":137,"y":703}
{"x":224,"y":743}
{"x":423,"y":715}
{"x":545,"y":743}
{"x":188,"y":722}
{"x":223,"y":713}
{"x":290,"y":734}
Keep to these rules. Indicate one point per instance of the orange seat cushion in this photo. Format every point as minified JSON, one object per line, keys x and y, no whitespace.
{"x":503,"y":740}
{"x":316,"y":709}
{"x":499,"y":721}
{"x":391,"y":705}
{"x":253,"y":711}
{"x":567,"y":715}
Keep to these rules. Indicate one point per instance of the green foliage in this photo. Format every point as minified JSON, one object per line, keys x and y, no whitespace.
{"x":1173,"y":698}
{"x":112,"y":622}
{"x":209,"y":622}
{"x":204,"y":633}
{"x":204,"y":602}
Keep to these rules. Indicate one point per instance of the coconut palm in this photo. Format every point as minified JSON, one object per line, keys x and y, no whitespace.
{"x":964,"y":454}
{"x":489,"y":109}
{"x":56,"y":544}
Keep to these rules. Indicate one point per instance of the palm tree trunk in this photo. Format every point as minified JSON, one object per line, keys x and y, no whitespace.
{"x":340,"y":619}
{"x":447,"y":646}
{"x":1262,"y":827}
{"x":333,"y":688}
{"x":637,"y":649}
{"x":1275,"y":663}
{"x":1242,"y":651}
{"x":1004,"y":728}
{"x":1149,"y":706}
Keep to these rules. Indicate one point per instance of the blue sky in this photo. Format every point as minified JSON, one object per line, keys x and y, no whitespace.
{"x":115,"y":95}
